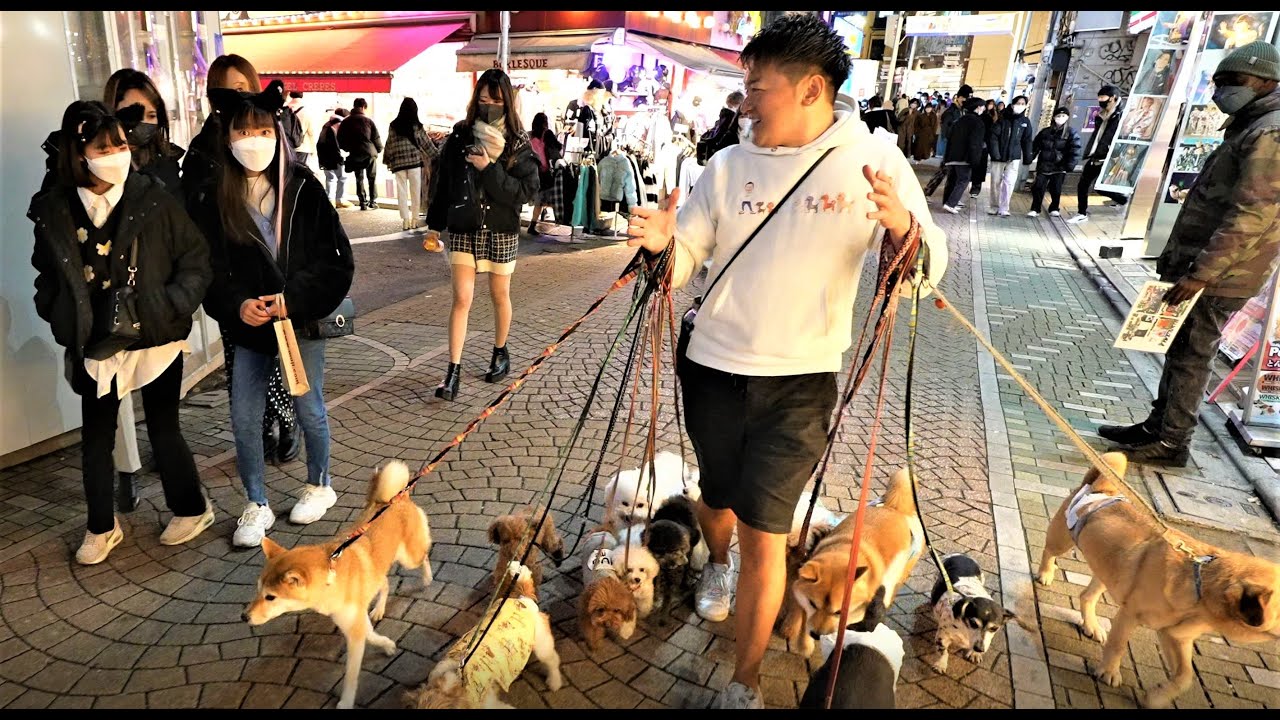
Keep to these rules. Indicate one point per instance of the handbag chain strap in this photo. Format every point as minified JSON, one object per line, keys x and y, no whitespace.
{"x":133,"y":261}
{"x":766,"y":220}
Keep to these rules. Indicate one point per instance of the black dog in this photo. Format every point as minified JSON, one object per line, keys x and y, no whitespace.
{"x":869,"y":665}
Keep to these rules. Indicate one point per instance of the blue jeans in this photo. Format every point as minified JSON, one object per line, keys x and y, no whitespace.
{"x":942,"y":147}
{"x":330,"y":178}
{"x":248,"y":402}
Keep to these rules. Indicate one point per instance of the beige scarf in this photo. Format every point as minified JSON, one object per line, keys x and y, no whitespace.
{"x":491,"y":136}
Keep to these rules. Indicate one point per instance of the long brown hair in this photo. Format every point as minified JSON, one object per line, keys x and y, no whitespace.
{"x":221,"y":64}
{"x":498,"y":84}
{"x":233,"y":183}
{"x":120,"y":83}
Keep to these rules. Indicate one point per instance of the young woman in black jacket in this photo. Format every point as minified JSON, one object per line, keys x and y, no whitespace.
{"x":201,"y":171}
{"x":272,"y":231}
{"x":1058,"y":148}
{"x":487,"y":173}
{"x":88,"y":226}
{"x":1008,"y":143}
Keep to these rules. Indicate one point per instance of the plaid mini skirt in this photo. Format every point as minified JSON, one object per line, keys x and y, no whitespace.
{"x":484,"y":250}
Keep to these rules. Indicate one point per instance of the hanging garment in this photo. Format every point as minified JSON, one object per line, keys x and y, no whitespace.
{"x":616,"y":180}
{"x":649,"y":179}
{"x":636,"y":178}
{"x":690,"y":171}
{"x":580,"y":198}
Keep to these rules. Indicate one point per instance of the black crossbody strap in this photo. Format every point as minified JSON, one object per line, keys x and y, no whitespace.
{"x":764,"y":222}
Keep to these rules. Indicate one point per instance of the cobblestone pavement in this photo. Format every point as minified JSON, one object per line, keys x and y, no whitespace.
{"x":157,"y":626}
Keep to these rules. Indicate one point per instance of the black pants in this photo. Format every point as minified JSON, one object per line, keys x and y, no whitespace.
{"x":370,"y":171}
{"x":1186,"y":369}
{"x":177,"y":468}
{"x":1088,"y":176}
{"x":957,"y":178}
{"x":1051,"y":181}
{"x":979,"y":174}
{"x":757,"y":439}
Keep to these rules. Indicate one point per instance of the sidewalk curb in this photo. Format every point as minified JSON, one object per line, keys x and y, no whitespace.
{"x":1265,"y":483}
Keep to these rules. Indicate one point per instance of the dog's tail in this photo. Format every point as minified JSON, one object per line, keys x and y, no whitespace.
{"x":899,"y":495}
{"x":389,"y":480}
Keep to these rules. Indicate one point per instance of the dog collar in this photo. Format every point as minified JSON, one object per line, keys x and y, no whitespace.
{"x":1196,"y":564}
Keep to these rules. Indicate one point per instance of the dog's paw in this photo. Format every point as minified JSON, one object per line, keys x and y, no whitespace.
{"x":385,"y":644}
{"x":1158,"y":697}
{"x":973,"y":657}
{"x":1095,"y":631}
{"x":1045,"y":578}
{"x":554,"y":681}
{"x":346,"y":704}
{"x":376,"y":614}
{"x":940,"y":665}
{"x":1104,"y":676}
{"x":805,"y":647}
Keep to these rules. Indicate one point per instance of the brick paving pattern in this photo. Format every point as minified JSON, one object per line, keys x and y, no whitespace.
{"x":157,"y":626}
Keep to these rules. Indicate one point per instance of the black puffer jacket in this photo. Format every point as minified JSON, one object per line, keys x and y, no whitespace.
{"x":504,"y":186}
{"x":203,"y":163}
{"x":173,"y":265}
{"x":1057,"y":148}
{"x":1010,"y":137}
{"x":966,"y":141}
{"x":314,"y":268}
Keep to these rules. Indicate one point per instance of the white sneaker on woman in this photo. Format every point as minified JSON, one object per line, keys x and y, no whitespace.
{"x":738,"y":697}
{"x":97,"y":546}
{"x":315,"y":500}
{"x":253,"y":525}
{"x":185,"y":529}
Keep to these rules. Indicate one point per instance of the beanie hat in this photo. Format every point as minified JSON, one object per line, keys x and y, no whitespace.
{"x":1110,"y":91}
{"x":1061,"y":110}
{"x":973,"y":103}
{"x":1260,"y":59}
{"x":965,"y":90}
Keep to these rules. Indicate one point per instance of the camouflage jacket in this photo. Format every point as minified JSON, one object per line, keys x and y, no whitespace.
{"x":1228,"y":231}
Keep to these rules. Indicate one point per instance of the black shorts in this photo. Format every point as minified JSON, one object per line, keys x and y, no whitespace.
{"x":758,"y":439}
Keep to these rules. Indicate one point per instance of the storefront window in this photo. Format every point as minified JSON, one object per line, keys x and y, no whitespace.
{"x":90,"y":52}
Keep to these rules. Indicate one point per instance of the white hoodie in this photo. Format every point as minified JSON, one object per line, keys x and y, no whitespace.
{"x":786,"y":305}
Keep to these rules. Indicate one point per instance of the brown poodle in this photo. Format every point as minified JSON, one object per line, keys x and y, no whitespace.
{"x":509,"y":533}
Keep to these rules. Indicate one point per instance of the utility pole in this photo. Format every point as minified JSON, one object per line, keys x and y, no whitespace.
{"x":900,"y":21}
{"x":1042,"y":79}
{"x":504,"y":41}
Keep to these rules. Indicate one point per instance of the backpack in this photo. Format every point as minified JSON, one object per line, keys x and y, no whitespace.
{"x":711,"y":143}
{"x":292,"y":127}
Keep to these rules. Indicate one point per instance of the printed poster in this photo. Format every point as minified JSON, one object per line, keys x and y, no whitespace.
{"x":1153,"y":323}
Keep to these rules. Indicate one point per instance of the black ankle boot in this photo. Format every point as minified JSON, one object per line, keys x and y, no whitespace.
{"x":289,"y":444}
{"x":499,"y":365}
{"x":448,"y":390}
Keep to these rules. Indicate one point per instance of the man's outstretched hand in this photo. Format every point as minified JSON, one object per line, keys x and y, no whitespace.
{"x":890,"y":212}
{"x":653,"y":228}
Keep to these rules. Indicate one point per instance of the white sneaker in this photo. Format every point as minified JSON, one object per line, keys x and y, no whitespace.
{"x":715,"y":591}
{"x":97,"y":546}
{"x":953,"y":211}
{"x":1033,"y":213}
{"x":1005,"y":213}
{"x":973,"y":195}
{"x":738,"y":697}
{"x":1078,"y":219}
{"x":992,"y":211}
{"x":253,"y":525}
{"x":185,"y":529}
{"x":1054,"y":213}
{"x":315,"y":500}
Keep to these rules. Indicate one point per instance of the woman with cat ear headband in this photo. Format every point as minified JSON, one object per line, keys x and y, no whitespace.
{"x":101,"y":229}
{"x":278,"y":251}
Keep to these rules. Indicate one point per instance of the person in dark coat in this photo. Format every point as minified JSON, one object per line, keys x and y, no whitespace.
{"x":201,"y":171}
{"x":1058,"y":150}
{"x":359,"y":137}
{"x":487,"y":173}
{"x":966,"y":146}
{"x":926,"y":131}
{"x":880,"y":116}
{"x":278,"y":252}
{"x":100,"y":228}
{"x":989,"y":117}
{"x":953,"y":112}
{"x":1008,"y":142}
{"x":1095,"y":152}
{"x":329,"y":156}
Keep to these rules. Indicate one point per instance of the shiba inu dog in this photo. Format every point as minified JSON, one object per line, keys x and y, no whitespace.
{"x":892,"y":542}
{"x":301,"y":579}
{"x":1162,"y":579}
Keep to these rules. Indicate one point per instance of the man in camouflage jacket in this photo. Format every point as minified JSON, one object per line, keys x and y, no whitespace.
{"x":1224,"y":242}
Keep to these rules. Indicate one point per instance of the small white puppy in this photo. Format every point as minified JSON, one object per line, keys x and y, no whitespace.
{"x":627,"y":497}
{"x":637,"y":568}
{"x":823,"y":519}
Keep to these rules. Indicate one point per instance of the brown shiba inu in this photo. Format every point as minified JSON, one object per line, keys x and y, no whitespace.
{"x":892,"y":541}
{"x":300,"y":579}
{"x":1165,"y":580}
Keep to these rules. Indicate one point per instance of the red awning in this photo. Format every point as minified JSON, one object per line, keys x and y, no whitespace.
{"x":360,"y":59}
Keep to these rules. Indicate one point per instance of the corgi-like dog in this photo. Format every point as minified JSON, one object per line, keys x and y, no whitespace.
{"x":518,"y":630}
{"x":967,"y":616}
{"x":892,"y":542}
{"x":300,"y":579}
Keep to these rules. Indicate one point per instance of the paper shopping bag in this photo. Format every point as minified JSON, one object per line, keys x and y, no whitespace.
{"x":291,"y":368}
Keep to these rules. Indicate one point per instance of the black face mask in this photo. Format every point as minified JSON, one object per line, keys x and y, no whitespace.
{"x":142,"y":133}
{"x":491,"y":113}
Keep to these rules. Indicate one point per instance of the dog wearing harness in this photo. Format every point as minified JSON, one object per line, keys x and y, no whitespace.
{"x":967,"y":617}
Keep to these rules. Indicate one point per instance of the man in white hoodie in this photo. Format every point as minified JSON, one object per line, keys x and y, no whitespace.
{"x":759,"y":377}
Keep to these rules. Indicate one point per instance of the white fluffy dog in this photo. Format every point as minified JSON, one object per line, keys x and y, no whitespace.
{"x":626,"y":499}
{"x":637,"y":568}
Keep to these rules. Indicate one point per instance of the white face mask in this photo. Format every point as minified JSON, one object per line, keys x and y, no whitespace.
{"x":113,"y":168}
{"x":744,"y":128}
{"x":1059,"y":120}
{"x":1019,"y":109}
{"x":254,"y":153}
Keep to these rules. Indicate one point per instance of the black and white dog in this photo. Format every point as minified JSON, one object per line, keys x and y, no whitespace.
{"x":869,"y":664}
{"x":967,"y":618}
